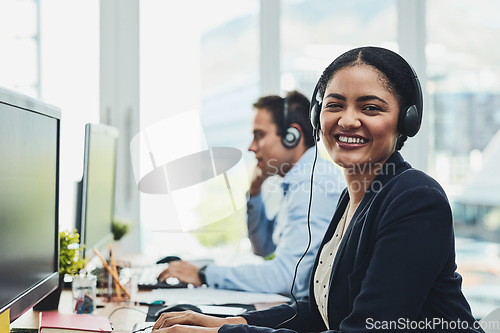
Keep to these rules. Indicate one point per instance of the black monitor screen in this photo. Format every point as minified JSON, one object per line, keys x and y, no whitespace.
{"x":29,"y":149}
{"x":97,"y":188}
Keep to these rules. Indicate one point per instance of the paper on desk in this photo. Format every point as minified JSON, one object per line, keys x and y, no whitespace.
{"x":199,"y":296}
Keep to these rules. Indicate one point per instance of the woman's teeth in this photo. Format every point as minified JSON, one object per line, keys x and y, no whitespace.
{"x":349,"y":139}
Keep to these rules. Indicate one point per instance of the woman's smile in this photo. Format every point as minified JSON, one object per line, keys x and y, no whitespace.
{"x":350,"y":140}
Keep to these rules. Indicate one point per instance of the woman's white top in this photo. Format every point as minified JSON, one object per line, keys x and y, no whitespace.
{"x":324,"y":268}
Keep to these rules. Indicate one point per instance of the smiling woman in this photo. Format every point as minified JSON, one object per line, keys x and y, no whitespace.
{"x":388,"y":255}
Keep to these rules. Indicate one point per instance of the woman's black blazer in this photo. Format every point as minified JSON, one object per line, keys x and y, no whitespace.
{"x":394,"y":269}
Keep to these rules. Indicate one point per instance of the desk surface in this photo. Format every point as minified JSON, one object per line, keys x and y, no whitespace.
{"x":123,"y":315}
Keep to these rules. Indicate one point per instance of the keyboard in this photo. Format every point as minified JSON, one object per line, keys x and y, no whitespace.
{"x":148,"y":278}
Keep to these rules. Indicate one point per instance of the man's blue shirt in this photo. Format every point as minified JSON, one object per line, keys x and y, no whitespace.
{"x":286,"y":234}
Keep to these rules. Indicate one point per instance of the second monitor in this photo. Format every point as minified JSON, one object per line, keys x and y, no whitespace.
{"x":96,"y":190}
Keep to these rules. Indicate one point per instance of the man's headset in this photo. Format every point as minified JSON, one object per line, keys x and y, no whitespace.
{"x":291,"y":135}
{"x":409,"y":121}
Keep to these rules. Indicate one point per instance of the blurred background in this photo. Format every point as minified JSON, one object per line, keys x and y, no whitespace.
{"x":134,"y":64}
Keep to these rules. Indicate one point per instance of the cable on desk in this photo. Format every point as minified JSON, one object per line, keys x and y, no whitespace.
{"x":126,"y":308}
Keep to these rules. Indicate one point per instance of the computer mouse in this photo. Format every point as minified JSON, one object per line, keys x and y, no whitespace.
{"x":168,"y":259}
{"x":175,"y":308}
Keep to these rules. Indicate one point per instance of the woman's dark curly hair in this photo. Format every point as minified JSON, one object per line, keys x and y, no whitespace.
{"x":396,"y":75}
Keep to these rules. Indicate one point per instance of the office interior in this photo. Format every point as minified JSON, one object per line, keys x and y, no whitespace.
{"x":142,"y":66}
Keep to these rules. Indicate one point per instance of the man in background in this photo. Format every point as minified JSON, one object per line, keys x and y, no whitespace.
{"x":283,"y":144}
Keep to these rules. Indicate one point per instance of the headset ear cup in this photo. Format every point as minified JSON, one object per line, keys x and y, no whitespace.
{"x":315,"y":111}
{"x":291,"y":138}
{"x":410,"y":123}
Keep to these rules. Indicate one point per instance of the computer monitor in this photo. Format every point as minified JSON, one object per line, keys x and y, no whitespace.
{"x":96,"y":190}
{"x":29,"y":196}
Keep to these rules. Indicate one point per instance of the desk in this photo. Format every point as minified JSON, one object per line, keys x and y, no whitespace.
{"x":126,"y":315}
{"x":123,"y":315}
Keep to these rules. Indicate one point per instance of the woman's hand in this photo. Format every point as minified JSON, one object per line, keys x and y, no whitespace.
{"x":187,"y":328}
{"x":185,"y":320}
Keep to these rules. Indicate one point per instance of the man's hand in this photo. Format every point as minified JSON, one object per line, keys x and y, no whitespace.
{"x":182,"y":270}
{"x":258,"y":178}
{"x":190,"y":321}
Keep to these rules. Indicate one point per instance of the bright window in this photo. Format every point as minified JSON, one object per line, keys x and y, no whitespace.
{"x":56,"y":61}
{"x":199,"y":78}
{"x":463,"y":69}
{"x":314,"y":33}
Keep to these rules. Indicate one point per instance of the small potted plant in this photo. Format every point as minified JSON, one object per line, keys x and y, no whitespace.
{"x":119,"y":228}
{"x":71,"y":261}
{"x":70,"y":253}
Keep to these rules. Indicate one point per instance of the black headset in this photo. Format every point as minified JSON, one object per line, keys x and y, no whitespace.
{"x":409,"y":121}
{"x":290,"y":136}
